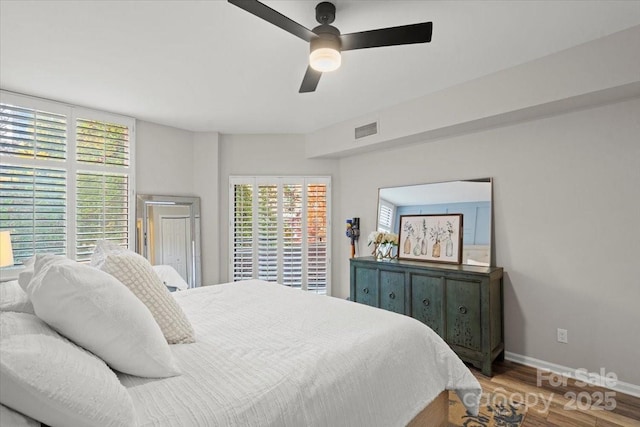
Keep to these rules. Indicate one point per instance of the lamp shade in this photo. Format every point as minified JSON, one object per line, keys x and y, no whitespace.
{"x":325,"y":59}
{"x":6,"y":251}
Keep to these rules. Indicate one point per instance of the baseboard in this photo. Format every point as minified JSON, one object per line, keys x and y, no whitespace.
{"x":620,"y":386}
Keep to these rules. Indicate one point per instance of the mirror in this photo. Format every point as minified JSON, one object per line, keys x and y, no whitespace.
{"x":168,"y":233}
{"x":472,"y":198}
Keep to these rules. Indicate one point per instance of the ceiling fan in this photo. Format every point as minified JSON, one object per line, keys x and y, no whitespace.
{"x":326,"y":42}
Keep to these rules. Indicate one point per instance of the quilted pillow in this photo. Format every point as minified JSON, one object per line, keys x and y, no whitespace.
{"x":97,"y":312}
{"x":137,"y":274}
{"x":48,"y":378}
{"x":14,"y":298}
{"x":103,"y":249}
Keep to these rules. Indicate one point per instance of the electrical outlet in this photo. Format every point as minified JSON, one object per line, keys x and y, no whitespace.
{"x":562,"y":336}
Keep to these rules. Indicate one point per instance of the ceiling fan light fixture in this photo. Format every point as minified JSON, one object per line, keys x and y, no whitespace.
{"x":325,"y":59}
{"x":325,"y":49}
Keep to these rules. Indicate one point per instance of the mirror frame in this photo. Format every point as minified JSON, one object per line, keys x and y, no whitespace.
{"x":144,"y":202}
{"x":492,"y":257}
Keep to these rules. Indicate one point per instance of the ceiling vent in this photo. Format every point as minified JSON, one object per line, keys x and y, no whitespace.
{"x":366,"y":130}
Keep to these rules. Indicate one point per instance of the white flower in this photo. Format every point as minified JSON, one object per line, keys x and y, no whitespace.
{"x":380,"y":237}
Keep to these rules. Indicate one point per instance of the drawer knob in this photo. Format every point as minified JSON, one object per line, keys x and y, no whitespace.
{"x":365,"y":290}
{"x":462,"y":309}
{"x":392,"y":295}
{"x":426,"y":302}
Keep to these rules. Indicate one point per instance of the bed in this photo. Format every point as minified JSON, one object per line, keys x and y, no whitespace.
{"x":268,"y":355}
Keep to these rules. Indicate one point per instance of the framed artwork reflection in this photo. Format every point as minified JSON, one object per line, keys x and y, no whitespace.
{"x":432,"y":238}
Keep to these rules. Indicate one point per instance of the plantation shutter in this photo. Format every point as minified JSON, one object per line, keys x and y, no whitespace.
{"x":385,"y":216}
{"x":102,"y":211}
{"x":65,"y":178}
{"x":267,"y":233}
{"x":33,"y":207}
{"x":241,"y":235}
{"x":32,"y":133}
{"x":279,"y":230}
{"x":102,"y":197}
{"x":292,"y":229}
{"x":317,"y":267}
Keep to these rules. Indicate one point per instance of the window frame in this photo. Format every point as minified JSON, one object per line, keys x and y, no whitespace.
{"x":71,"y":164}
{"x":280,"y":181}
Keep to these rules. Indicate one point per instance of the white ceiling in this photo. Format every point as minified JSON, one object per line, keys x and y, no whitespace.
{"x":210,"y":66}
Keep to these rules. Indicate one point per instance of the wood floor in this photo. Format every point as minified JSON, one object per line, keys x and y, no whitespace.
{"x":555,"y":404}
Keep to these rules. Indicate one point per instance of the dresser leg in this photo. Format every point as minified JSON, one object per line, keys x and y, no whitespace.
{"x":486,"y":367}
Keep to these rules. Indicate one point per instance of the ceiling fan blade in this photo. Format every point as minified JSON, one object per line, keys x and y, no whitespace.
{"x":392,"y":36}
{"x":276,"y":18}
{"x":310,"y":80}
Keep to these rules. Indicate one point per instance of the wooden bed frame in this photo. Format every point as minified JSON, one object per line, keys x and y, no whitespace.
{"x":435,"y":414}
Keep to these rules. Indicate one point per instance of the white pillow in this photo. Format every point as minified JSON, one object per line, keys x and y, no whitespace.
{"x":97,"y":312}
{"x":14,"y":298}
{"x":137,"y":274}
{"x":16,"y":419}
{"x":170,"y":277}
{"x":43,"y":260}
{"x":50,"y":379}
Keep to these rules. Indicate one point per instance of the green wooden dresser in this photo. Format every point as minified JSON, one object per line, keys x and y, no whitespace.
{"x":461,"y":303}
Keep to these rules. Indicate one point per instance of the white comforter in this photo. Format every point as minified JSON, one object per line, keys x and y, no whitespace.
{"x":267,"y":355}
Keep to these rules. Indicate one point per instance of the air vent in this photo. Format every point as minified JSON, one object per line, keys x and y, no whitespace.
{"x":366,"y":130}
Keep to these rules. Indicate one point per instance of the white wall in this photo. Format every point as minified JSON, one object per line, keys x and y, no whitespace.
{"x":175,"y":162}
{"x":163,"y":154}
{"x":279,"y":155}
{"x":567,"y":211}
{"x":206,"y":185}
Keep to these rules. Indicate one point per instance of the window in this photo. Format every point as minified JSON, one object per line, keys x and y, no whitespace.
{"x":279,"y":230}
{"x":66,"y":177}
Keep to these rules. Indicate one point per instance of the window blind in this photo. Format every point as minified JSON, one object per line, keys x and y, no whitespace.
{"x":66,"y":177}
{"x":279,"y":230}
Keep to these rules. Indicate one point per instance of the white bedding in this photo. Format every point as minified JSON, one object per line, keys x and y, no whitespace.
{"x":267,"y":355}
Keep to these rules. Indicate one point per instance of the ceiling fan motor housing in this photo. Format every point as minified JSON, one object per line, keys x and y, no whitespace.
{"x":327,"y":36}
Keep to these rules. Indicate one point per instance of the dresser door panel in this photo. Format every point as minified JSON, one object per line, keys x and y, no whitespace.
{"x":463,"y":314}
{"x":367,"y":286}
{"x":426,"y":301}
{"x":392,"y":291}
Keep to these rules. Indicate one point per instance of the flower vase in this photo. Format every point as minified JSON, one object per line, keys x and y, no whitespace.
{"x":435,"y":252}
{"x":407,"y":245}
{"x":449,"y":248}
{"x":416,"y":248}
{"x":423,"y":247}
{"x":374,"y":252}
{"x":388,"y":251}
